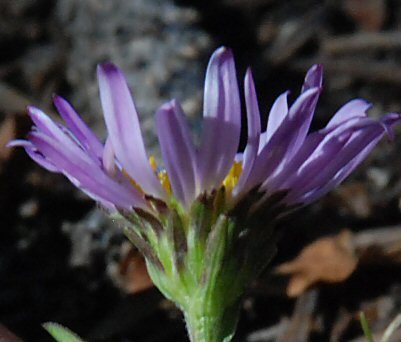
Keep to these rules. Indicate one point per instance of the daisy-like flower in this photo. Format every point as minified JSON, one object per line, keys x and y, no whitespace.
{"x":204,"y":218}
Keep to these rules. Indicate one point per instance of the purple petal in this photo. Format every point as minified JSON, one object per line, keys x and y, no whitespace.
{"x":222,"y":120}
{"x":340,"y":176}
{"x":276,"y":116}
{"x":313,"y":78}
{"x":303,"y":129}
{"x":276,"y":152}
{"x":41,"y":160}
{"x":34,"y":154}
{"x":43,"y":123}
{"x":310,"y":145}
{"x":84,"y":172}
{"x":388,"y":121}
{"x":318,"y":162}
{"x":177,"y":150}
{"x":57,"y":141}
{"x":79,"y":129}
{"x":253,"y":119}
{"x":314,"y":145}
{"x":19,"y":143}
{"x":324,"y":172}
{"x":262,"y":141}
{"x":353,"y":109}
{"x":57,"y":132}
{"x":109,"y":158}
{"x":111,"y":166}
{"x":124,"y":130}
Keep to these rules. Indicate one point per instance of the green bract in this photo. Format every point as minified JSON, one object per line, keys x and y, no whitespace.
{"x":203,"y":258}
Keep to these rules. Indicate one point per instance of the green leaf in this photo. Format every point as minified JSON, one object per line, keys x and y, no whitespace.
{"x":60,"y":333}
{"x":365,"y":327}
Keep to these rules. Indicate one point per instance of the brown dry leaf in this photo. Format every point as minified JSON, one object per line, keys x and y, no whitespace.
{"x":330,"y":259}
{"x":132,"y":271}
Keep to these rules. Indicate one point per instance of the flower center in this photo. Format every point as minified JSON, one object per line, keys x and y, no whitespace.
{"x":229,"y":182}
{"x":161,"y":174}
{"x":232,"y":177}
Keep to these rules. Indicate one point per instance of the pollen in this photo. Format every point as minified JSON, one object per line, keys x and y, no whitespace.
{"x":161,"y":174}
{"x":152,"y":162}
{"x":233,"y":175}
{"x":164,"y":180}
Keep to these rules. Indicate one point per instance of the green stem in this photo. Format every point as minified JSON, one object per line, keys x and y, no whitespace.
{"x":202,"y":329}
{"x":206,"y":327}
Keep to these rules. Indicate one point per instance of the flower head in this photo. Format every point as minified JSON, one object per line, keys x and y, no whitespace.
{"x":201,"y":216}
{"x":283,"y":157}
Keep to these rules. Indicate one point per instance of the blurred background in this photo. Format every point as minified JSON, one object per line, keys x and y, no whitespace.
{"x":60,"y":258}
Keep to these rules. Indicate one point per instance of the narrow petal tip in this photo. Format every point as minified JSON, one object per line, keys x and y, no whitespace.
{"x":365,"y":102}
{"x":107,"y":68}
{"x":316,"y":73}
{"x":222,"y":54}
{"x":248,"y":75}
{"x":34,"y":112}
{"x":388,"y":123}
{"x":317,"y":69}
{"x":313,"y":78}
{"x":30,"y":109}
{"x":59,"y":101}
{"x":166,"y":108}
{"x":18,"y":143}
{"x":222,"y":50}
{"x":56,"y":98}
{"x":391,"y":118}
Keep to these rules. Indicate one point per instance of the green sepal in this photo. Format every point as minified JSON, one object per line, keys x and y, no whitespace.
{"x":203,"y":257}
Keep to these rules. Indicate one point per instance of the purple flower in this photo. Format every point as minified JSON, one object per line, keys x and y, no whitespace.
{"x":284,"y":158}
{"x":205,"y":219}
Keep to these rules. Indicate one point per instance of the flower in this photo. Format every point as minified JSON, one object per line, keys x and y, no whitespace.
{"x":283,"y":157}
{"x":205,"y":219}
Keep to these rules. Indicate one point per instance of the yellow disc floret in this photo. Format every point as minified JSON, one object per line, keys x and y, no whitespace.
{"x":229,"y":182}
{"x":152,"y":162}
{"x":233,"y":175}
{"x":164,"y":180}
{"x":162,"y":175}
